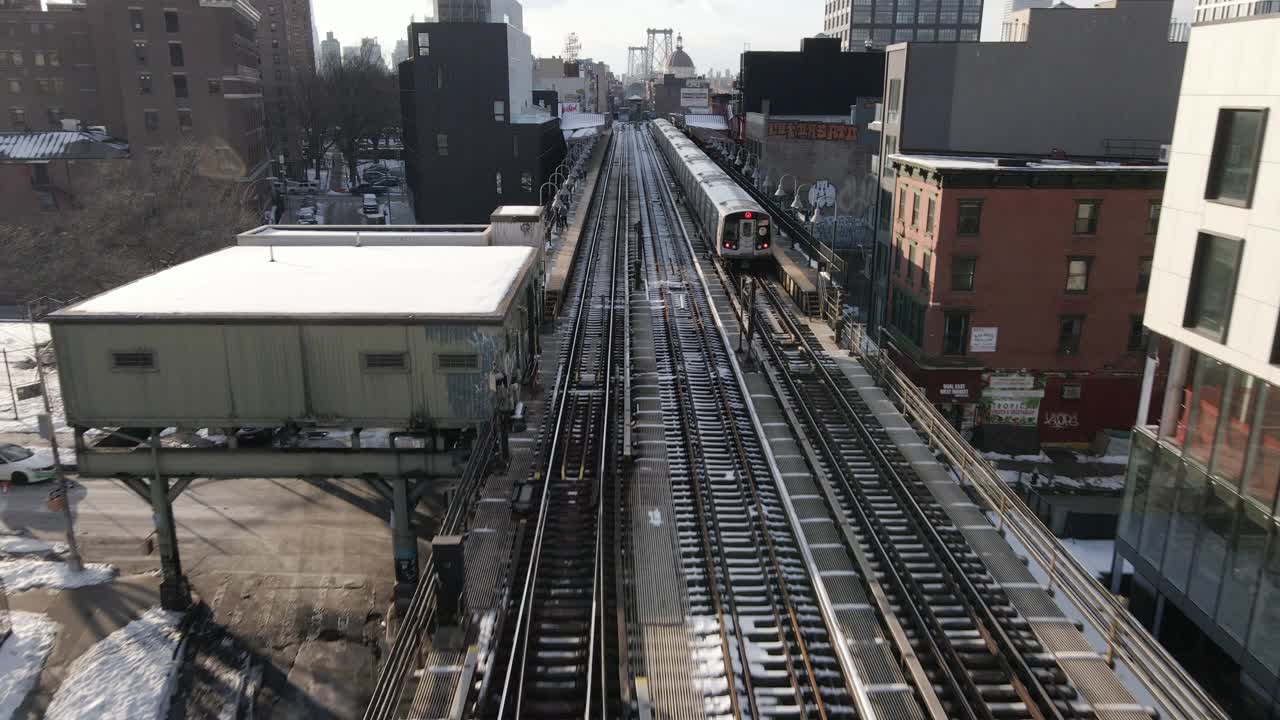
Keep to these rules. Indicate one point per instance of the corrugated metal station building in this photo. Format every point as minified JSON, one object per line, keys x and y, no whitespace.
{"x":389,"y":337}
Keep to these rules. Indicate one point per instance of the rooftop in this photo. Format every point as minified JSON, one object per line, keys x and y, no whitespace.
{"x":706,"y":122}
{"x":321,"y":283}
{"x":962,"y":163}
{"x":61,"y":145}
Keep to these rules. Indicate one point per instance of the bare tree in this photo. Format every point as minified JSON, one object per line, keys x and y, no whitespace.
{"x":144,"y":214}
{"x":315,"y":115}
{"x":367,"y":103}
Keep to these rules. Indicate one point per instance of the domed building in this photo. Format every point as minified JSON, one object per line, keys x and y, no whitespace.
{"x":680,"y":64}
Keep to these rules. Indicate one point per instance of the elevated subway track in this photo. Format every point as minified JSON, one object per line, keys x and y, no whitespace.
{"x":719,"y":526}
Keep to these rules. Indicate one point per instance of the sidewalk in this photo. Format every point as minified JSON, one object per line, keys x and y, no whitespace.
{"x":86,"y":615}
{"x":1065,"y":471}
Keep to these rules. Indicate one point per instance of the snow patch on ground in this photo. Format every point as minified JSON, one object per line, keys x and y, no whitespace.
{"x":1094,"y":555}
{"x":1119,"y":459}
{"x":15,"y":338}
{"x":1041,"y":457}
{"x":128,"y":675}
{"x":22,"y":574}
{"x":22,"y":656}
{"x":18,"y":545}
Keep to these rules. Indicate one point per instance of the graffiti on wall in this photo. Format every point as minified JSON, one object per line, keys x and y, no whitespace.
{"x":813,"y":131}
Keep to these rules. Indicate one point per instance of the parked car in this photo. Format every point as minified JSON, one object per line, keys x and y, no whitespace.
{"x":21,"y":466}
{"x":366,"y":188}
{"x":386,"y":182}
{"x":369,"y":205}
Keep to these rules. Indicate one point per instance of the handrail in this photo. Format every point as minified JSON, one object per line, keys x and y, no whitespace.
{"x":390,"y":684}
{"x":1180,"y":697}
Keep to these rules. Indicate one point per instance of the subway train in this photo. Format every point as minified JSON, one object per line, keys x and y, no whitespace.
{"x":741,"y":228}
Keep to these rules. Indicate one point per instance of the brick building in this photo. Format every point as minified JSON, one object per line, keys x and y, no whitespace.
{"x":155,"y":72}
{"x":46,"y":66}
{"x":287,"y":48}
{"x":43,"y":171}
{"x":1017,"y":292}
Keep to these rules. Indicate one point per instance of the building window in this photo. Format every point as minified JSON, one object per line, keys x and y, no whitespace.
{"x":40,"y":175}
{"x":133,"y":360}
{"x":526,"y":181}
{"x":58,"y":84}
{"x":902,"y":204}
{"x":1137,"y":334}
{"x":385,"y":361}
{"x":915,"y":208}
{"x":1213,"y":285}
{"x":928,"y":217}
{"x":215,"y":86}
{"x":144,"y":83}
{"x":955,"y":333}
{"x":175,"y":55}
{"x":424,"y":44}
{"x":911,"y":267}
{"x":499,"y":110}
{"x":1078,"y":274}
{"x":925,"y":262}
{"x":273,"y":27}
{"x":442,"y":143}
{"x":963,"y":270}
{"x":1086,"y":217}
{"x":184,"y":119}
{"x":43,"y":84}
{"x":171,"y":21}
{"x":895,"y":100}
{"x":1070,"y":329}
{"x":37,"y":58}
{"x":15,"y":86}
{"x":275,"y":43}
{"x":498,"y":182}
{"x":135,"y":19}
{"x":1144,"y":274}
{"x":140,"y":51}
{"x":1153,"y":216}
{"x":180,"y":86}
{"x":1237,"y":145}
{"x":970,"y":217}
{"x":16,"y":57}
{"x":52,"y":57}
{"x":18,"y":118}
{"x":279,"y":75}
{"x":896,"y":250}
{"x":152,"y":119}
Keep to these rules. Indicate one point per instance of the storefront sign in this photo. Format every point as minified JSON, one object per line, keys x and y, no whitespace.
{"x":955,"y":391}
{"x":1012,"y":400}
{"x":983,"y":339}
{"x":813,"y":131}
{"x":1011,"y":382}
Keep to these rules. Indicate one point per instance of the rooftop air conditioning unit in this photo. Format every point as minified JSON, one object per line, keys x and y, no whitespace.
{"x":1164,"y":154}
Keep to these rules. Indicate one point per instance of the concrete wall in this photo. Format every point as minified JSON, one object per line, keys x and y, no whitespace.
{"x":1233,"y":64}
{"x":1083,"y":76}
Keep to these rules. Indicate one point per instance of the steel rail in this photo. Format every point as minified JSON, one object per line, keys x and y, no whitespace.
{"x":1177,"y":693}
{"x":1009,"y":654}
{"x":561,"y":396}
{"x":389,"y":688}
{"x":851,"y":676}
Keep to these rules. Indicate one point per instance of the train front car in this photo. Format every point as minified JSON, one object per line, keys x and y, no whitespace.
{"x":745,"y":235}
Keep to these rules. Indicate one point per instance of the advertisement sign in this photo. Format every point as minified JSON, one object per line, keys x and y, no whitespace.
{"x":954,"y":391}
{"x":695,"y":97}
{"x":983,"y":339}
{"x":1012,"y":399}
{"x":813,"y":131}
{"x":570,"y":107}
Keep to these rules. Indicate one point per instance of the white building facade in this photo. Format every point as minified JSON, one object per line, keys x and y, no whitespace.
{"x":1199,"y":524}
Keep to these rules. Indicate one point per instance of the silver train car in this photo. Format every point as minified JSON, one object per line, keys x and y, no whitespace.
{"x":741,"y":229}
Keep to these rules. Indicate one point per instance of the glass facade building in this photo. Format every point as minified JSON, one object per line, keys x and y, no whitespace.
{"x":878,"y":23}
{"x":1199,"y":524}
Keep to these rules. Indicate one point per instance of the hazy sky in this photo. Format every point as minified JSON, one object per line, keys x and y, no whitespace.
{"x":715,"y":31}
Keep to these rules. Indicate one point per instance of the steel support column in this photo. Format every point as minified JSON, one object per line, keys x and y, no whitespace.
{"x":175,"y":591}
{"x":404,"y":542}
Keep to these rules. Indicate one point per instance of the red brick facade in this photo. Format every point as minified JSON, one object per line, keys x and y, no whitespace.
{"x":996,"y":253}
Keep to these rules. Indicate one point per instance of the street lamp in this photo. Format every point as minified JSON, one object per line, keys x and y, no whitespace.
{"x":545,"y":185}
{"x":795,"y":202}
{"x":782,"y":193}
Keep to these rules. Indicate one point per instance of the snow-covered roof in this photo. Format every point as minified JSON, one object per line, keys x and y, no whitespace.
{"x":580,"y":134}
{"x":321,"y":283}
{"x":949,"y":162}
{"x":520,"y":212}
{"x":579,"y":120}
{"x":366,"y":235}
{"x":707,"y":122}
{"x":60,"y":145}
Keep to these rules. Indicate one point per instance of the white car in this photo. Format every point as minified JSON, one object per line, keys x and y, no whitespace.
{"x":20,"y":465}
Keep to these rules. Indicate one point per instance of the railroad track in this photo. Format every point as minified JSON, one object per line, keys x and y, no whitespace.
{"x":764,"y":645}
{"x":982,"y":659}
{"x":557,"y":652}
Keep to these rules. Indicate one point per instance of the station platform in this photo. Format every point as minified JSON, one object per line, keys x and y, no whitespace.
{"x":799,"y":280}
{"x":1060,"y":634}
{"x":564,"y":245}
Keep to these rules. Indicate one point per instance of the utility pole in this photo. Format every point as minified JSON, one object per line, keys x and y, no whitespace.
{"x":13,"y":394}
{"x":73,"y":556}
